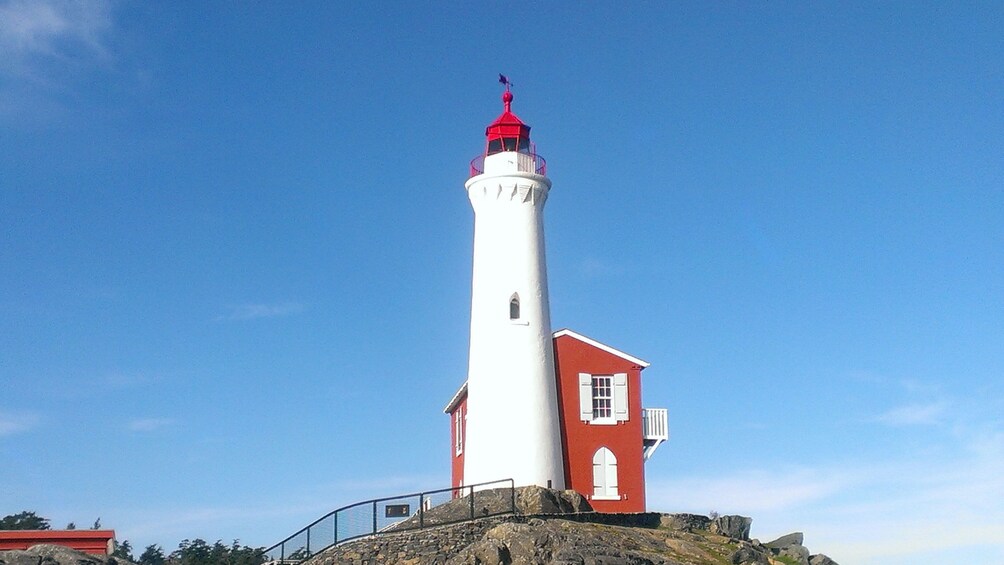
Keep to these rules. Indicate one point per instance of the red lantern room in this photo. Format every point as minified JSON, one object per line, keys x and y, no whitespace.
{"x":507,"y":132}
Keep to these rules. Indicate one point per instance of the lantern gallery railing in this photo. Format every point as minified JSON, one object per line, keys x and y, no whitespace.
{"x":395,"y":514}
{"x":525,"y":163}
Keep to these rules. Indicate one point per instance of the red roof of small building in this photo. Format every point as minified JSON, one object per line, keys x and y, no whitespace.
{"x":95,"y":542}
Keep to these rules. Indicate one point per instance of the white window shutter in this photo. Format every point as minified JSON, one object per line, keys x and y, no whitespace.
{"x":585,"y":397}
{"x":599,"y":473}
{"x":611,"y":474}
{"x":620,"y":397}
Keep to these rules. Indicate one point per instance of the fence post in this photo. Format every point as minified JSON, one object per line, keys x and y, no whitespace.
{"x":282,"y":552}
{"x":374,"y":516}
{"x":472,"y":502}
{"x":308,"y":541}
{"x":421,"y":510}
{"x":512,"y":496}
{"x":334,"y":537}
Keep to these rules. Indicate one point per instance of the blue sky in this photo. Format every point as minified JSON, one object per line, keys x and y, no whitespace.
{"x":235,"y":255}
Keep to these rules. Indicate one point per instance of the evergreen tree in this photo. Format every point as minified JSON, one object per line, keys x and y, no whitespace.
{"x":123,"y":551}
{"x":153,"y":555}
{"x":24,"y":521}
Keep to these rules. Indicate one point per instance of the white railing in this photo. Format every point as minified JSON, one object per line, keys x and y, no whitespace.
{"x":512,"y":162}
{"x":655,"y":423}
{"x":655,"y":429}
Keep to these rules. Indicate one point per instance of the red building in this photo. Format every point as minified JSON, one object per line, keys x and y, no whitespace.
{"x":606,"y":435}
{"x":95,"y":542}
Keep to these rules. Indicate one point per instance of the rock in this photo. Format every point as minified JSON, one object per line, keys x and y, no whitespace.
{"x":539,"y":500}
{"x":49,"y":554}
{"x":735,"y":527}
{"x":750,"y":554}
{"x":820,"y":559}
{"x":557,"y":528}
{"x":796,"y":552}
{"x":685,"y":522}
{"x":794,"y":538}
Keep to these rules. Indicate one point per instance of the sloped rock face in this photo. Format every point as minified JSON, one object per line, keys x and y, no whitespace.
{"x":560,"y":528}
{"x":47,"y":554}
{"x":671,"y":539}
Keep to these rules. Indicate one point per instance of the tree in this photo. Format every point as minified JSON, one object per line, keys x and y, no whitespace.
{"x":153,"y":555}
{"x":24,"y":521}
{"x":123,"y":551}
{"x":71,"y":526}
{"x":97,"y":524}
{"x":198,"y":552}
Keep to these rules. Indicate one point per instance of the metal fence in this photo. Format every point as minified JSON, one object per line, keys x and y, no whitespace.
{"x":396,"y":514}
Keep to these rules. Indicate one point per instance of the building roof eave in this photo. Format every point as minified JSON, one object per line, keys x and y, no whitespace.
{"x":461,"y":393}
{"x":563,"y":332}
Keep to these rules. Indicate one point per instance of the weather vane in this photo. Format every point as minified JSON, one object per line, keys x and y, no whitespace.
{"x":505,"y":80}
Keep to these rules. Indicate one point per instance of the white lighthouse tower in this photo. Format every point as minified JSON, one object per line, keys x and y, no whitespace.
{"x":512,"y":427}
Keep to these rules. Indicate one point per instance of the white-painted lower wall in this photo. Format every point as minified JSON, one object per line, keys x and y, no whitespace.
{"x":512,"y":409}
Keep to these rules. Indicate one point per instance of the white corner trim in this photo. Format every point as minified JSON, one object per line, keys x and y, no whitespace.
{"x":602,"y":346}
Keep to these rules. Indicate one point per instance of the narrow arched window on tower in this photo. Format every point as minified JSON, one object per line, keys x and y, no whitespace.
{"x":514,"y":307}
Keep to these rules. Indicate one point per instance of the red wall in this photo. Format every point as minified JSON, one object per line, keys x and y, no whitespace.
{"x":457,"y":461}
{"x":95,"y":542}
{"x":581,"y":440}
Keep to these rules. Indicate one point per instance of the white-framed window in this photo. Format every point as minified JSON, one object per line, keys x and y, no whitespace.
{"x":605,"y":475}
{"x":458,"y":430}
{"x":603,"y":396}
{"x":603,"y":399}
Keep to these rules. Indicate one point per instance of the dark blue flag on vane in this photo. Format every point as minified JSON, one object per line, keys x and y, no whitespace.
{"x":504,"y":79}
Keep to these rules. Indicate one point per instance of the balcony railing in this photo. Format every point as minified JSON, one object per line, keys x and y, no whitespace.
{"x":655,"y":428}
{"x":525,"y":163}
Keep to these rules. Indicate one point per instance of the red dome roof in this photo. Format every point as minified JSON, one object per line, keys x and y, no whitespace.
{"x":508,"y":124}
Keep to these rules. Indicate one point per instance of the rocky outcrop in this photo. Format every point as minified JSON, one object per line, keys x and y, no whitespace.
{"x":539,"y":500}
{"x":789,"y":549}
{"x":559,"y":528}
{"x":735,"y":527}
{"x":47,"y":554}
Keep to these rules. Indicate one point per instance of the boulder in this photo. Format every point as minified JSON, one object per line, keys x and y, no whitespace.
{"x":749,"y":554}
{"x":684,"y":522}
{"x":539,"y":500}
{"x":794,"y":538}
{"x":49,"y":554}
{"x":796,"y":552}
{"x":820,"y":559}
{"x":735,"y":527}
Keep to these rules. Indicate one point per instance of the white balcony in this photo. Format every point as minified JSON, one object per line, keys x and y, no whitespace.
{"x":655,"y":428}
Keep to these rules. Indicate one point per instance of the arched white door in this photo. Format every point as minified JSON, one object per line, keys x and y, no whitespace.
{"x":604,"y":474}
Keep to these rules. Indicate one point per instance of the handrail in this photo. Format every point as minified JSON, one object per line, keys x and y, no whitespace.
{"x":397,"y":517}
{"x":533,"y":163}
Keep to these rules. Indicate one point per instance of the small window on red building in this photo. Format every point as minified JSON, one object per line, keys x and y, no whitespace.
{"x":458,"y":430}
{"x":603,"y":398}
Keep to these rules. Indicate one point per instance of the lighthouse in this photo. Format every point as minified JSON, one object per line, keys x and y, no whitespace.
{"x":512,"y":424}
